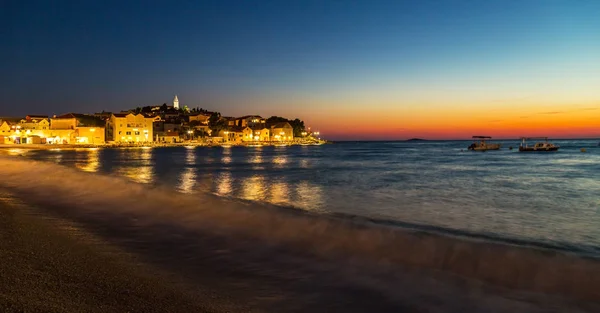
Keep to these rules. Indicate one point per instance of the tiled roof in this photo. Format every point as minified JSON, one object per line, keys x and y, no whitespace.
{"x":236,"y":129}
{"x":248,"y":116}
{"x":71,"y":115}
{"x":281,"y":125}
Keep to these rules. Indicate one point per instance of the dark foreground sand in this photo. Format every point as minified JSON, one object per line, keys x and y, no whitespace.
{"x":46,"y":269}
{"x":51,"y":265}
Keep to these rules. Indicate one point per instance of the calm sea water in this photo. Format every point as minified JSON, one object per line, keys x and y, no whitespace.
{"x":549,"y":199}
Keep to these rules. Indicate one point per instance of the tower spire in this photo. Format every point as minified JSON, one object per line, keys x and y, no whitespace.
{"x":176,"y":102}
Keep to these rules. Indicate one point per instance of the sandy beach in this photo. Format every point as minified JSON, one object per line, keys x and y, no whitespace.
{"x":49,"y":266}
{"x":84,"y":242}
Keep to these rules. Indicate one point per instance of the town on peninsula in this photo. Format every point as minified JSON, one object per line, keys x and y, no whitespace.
{"x":159,"y":125}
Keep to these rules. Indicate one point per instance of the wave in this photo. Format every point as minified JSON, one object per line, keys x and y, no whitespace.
{"x":514,"y":267}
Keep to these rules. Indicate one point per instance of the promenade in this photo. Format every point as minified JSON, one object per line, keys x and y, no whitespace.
{"x":161,"y":144}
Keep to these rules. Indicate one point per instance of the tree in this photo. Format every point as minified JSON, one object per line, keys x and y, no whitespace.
{"x":298,"y":126}
{"x":216,"y":123}
{"x":200,"y":133}
{"x":164,"y":108}
{"x":276,"y":119}
{"x":212,"y":120}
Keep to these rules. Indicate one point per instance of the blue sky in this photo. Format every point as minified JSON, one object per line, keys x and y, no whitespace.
{"x":317,"y":60}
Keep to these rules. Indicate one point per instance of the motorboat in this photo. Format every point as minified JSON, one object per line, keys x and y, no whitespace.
{"x":540,"y":146}
{"x":481,"y":144}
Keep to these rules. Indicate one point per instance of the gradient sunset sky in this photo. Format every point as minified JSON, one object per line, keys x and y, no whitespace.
{"x":351,"y":69}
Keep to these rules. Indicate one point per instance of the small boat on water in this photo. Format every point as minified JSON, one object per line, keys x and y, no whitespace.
{"x":540,"y":146}
{"x":481,"y":144}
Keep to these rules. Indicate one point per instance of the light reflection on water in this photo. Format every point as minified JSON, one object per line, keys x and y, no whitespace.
{"x":91,"y":161}
{"x":190,"y":156}
{"x":279,"y":192}
{"x":143,"y":171}
{"x":224,"y":184}
{"x":279,"y":161}
{"x":546,"y":197}
{"x":309,"y":196}
{"x":187,"y":180}
{"x":254,"y":188}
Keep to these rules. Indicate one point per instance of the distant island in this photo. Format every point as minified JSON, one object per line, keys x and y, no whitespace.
{"x":417,"y":139}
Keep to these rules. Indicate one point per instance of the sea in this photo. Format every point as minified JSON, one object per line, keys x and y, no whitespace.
{"x":548,"y":200}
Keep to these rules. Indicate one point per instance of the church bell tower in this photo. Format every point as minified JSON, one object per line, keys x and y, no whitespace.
{"x":176,"y":102}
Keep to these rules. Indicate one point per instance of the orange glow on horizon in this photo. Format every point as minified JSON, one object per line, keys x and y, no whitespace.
{"x":462,"y":123}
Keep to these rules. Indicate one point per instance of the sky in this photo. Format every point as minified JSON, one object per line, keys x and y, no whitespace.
{"x":354,"y":70}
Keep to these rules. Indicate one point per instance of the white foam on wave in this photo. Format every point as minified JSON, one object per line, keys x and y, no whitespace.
{"x":497,"y":264}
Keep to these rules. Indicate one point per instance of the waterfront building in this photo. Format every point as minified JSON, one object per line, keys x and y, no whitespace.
{"x":74,"y":128}
{"x":7,"y":131}
{"x":31,"y":129}
{"x":167,"y":137}
{"x":130,"y":128}
{"x":261,"y":133}
{"x":282,"y":132}
{"x":35,"y":123}
{"x":232,"y":134}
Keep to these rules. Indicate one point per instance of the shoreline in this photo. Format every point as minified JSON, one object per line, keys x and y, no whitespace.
{"x":156,"y":145}
{"x":209,"y":224}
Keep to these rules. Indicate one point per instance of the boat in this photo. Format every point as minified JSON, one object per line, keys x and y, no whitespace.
{"x":481,"y":144}
{"x":540,"y":146}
